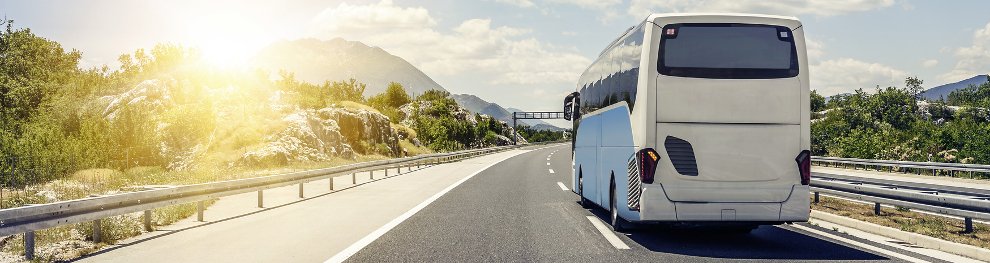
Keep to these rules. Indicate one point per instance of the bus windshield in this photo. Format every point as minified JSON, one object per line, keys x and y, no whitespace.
{"x":727,"y":51}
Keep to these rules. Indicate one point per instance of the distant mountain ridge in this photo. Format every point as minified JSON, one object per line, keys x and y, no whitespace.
{"x":316,"y":61}
{"x":475,"y":104}
{"x":943,"y":91}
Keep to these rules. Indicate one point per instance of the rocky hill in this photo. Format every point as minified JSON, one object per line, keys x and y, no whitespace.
{"x":316,"y":61}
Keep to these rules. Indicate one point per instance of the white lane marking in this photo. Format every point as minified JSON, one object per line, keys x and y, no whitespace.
{"x":551,"y":171}
{"x":360,"y":244}
{"x":562,"y":187}
{"x":861,"y":245}
{"x":548,"y":164}
{"x":607,"y":233}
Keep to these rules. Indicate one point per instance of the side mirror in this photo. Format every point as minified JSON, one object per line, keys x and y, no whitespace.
{"x":569,"y":105}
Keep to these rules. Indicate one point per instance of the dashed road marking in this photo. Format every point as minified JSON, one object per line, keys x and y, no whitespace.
{"x":551,"y":171}
{"x":562,"y":187}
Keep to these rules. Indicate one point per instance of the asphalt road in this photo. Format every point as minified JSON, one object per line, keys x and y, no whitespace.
{"x":505,"y":207}
{"x":516,"y":212}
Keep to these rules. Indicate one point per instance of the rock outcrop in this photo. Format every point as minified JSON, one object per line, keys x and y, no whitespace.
{"x":319,"y":135}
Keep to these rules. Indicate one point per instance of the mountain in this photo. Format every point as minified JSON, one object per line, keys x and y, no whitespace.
{"x":316,"y":61}
{"x":943,"y":91}
{"x":477,"y":105}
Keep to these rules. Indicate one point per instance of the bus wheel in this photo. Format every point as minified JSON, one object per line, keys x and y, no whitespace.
{"x":585,"y":203}
{"x":618,"y":224}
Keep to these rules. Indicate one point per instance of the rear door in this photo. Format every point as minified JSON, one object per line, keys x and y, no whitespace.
{"x":728,"y":112}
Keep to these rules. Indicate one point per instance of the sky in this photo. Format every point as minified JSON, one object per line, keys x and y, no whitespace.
{"x":525,"y":54}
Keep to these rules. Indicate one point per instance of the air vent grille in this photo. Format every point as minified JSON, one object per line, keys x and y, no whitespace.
{"x":681,"y":156}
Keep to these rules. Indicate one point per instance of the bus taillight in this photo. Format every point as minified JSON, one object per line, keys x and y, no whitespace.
{"x":648,"y":159}
{"x":804,"y":166}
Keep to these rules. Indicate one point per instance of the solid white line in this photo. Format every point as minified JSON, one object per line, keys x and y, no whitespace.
{"x":607,"y":233}
{"x":551,"y":170}
{"x":562,"y":187}
{"x":861,"y":245}
{"x":360,"y":244}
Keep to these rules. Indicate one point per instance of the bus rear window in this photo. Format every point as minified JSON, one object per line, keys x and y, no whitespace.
{"x":727,"y":51}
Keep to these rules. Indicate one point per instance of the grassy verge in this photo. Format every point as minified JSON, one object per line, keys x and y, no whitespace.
{"x":906,"y":220}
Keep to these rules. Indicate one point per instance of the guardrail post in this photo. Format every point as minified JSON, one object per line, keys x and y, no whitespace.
{"x":147,"y":221}
{"x":97,"y":231}
{"x":386,"y":172}
{"x":29,"y":245}
{"x":261,"y":199}
{"x":969,"y":225}
{"x":199,"y":211}
{"x":876,"y":208}
{"x":816,"y":197}
{"x":331,"y":184}
{"x":353,"y":178}
{"x":301,"y":195}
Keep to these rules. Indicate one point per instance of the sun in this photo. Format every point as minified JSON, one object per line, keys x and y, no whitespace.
{"x":227,"y":52}
{"x":226,"y":40}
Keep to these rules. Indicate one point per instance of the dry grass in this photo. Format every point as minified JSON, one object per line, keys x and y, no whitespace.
{"x":356,"y":106}
{"x":412,"y":149}
{"x":906,"y":220}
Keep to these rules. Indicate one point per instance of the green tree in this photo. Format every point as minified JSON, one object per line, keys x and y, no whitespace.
{"x":390,"y":101}
{"x":817,"y":102}
{"x":913,"y":86}
{"x":349,"y":90}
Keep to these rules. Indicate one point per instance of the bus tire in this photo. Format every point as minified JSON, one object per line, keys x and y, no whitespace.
{"x":617,"y":222}
{"x":585,"y":203}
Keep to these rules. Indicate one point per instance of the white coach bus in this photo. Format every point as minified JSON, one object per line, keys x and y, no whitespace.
{"x":696,"y":119}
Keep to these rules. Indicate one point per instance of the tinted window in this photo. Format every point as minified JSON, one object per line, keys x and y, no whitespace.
{"x":613,"y":77}
{"x":727,"y":51}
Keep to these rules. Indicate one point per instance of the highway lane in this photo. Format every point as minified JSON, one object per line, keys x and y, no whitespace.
{"x":519,"y":211}
{"x":511,"y":206}
{"x":290,"y":229}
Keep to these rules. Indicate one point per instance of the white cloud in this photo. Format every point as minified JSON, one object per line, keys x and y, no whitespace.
{"x":640,"y":8}
{"x":605,"y":8}
{"x":590,"y":4}
{"x":519,"y":3}
{"x":929,"y":63}
{"x":346,"y":18}
{"x":504,"y":55}
{"x":846,"y":75}
{"x":815,"y":50}
{"x":972,"y":60}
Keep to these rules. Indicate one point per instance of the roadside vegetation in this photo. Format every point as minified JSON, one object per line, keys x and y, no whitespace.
{"x":166,"y":117}
{"x":910,"y":221}
{"x":894,"y":124}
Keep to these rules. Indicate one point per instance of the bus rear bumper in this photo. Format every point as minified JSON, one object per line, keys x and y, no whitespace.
{"x":654,"y":206}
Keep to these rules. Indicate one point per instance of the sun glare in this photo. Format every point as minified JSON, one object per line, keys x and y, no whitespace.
{"x":226,"y":40}
{"x":226,"y":52}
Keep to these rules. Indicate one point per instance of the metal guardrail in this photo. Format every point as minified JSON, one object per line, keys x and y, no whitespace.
{"x":965,"y":202}
{"x":28,"y":219}
{"x":957,"y":167}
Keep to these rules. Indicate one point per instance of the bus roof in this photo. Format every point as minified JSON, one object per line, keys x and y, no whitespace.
{"x":727,"y":15}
